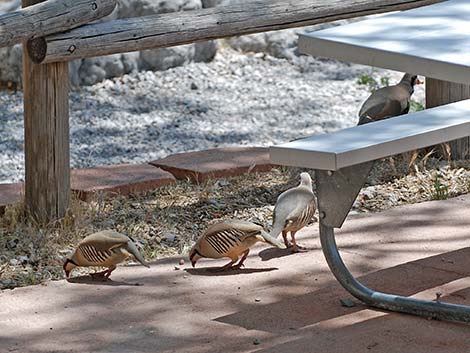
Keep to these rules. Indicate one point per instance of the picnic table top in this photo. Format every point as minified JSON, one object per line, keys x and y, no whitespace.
{"x":433,"y":41}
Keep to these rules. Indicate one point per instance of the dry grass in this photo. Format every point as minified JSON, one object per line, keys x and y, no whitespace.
{"x":163,"y":222}
{"x":166,"y":221}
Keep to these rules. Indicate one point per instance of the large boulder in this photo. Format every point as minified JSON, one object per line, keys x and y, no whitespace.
{"x":10,"y":66}
{"x":92,"y":70}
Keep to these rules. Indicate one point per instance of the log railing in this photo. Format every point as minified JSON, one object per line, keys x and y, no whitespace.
{"x":165,"y":30}
{"x":50,"y":37}
{"x":50,"y":17}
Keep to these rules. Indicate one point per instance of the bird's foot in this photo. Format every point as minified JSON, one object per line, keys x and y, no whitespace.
{"x":237,"y":266}
{"x":100,"y":276}
{"x":298,"y":248}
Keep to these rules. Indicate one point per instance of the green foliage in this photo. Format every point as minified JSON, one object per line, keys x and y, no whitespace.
{"x":371,"y":83}
{"x":415,"y":106}
{"x":440,"y":190}
{"x":385,"y":81}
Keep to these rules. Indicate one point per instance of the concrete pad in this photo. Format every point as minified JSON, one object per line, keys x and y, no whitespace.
{"x":121,"y":179}
{"x":216,"y":163}
{"x":289,"y":302}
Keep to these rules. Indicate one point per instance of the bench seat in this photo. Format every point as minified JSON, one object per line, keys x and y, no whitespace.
{"x":376,"y":140}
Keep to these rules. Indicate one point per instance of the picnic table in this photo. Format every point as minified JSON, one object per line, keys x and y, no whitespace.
{"x":433,"y":41}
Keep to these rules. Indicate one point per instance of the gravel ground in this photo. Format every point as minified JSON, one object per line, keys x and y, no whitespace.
{"x":238,"y":99}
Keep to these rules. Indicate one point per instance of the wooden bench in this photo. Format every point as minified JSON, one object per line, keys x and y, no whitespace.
{"x":342,"y":161}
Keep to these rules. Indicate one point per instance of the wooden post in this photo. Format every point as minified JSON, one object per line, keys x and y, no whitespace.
{"x":443,"y":92}
{"x":46,"y":124}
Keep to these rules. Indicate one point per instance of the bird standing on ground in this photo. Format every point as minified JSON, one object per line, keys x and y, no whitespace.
{"x":105,"y":249}
{"x":230,"y":238}
{"x":390,"y":101}
{"x":294,"y":209}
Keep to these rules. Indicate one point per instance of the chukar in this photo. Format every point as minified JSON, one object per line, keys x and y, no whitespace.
{"x":390,"y":101}
{"x":231,"y":239}
{"x":294,"y":209}
{"x":105,"y":249}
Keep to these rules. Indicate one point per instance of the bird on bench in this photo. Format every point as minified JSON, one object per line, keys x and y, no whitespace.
{"x":230,"y":238}
{"x":390,"y":101}
{"x":104,"y":249}
{"x":294,"y":209}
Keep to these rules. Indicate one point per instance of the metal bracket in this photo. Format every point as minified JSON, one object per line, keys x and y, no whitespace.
{"x":337,"y":191}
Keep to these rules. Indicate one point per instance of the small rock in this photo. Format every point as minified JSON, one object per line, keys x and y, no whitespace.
{"x":12,"y":243}
{"x":14,"y":262}
{"x":257,"y":300}
{"x":7,"y":282}
{"x":194,"y":86}
{"x":181,"y":262}
{"x":256,"y":341}
{"x":348,"y":303}
{"x":176,"y":268}
{"x":170,"y":238}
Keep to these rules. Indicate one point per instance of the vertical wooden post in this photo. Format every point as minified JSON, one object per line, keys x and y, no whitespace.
{"x":46,"y":124}
{"x":443,"y":92}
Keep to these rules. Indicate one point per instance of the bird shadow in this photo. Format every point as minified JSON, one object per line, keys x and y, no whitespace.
{"x":273,"y":253}
{"x":100,"y":281}
{"x":215,"y":271}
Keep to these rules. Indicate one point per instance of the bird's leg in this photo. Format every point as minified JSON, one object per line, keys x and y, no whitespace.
{"x":110,"y":269}
{"x":227,"y":266}
{"x":242,"y":260}
{"x":284,"y":235}
{"x":295,"y":246}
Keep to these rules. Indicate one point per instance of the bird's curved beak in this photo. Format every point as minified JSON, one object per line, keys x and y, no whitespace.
{"x":193,"y":263}
{"x":67,"y":274}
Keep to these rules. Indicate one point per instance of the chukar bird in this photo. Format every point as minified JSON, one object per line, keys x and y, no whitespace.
{"x":294,"y":209}
{"x":105,"y":249}
{"x":231,"y":239}
{"x":390,"y":101}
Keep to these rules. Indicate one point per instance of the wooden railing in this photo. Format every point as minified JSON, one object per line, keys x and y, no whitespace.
{"x":50,"y":38}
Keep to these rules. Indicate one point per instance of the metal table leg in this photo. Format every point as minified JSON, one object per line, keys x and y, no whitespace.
{"x":426,"y":308}
{"x":336,"y":193}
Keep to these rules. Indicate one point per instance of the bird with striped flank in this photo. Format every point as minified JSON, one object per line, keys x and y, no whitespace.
{"x":104,"y":249}
{"x":294,"y":209}
{"x":232,"y":239}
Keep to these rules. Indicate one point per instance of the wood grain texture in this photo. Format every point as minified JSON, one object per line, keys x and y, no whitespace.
{"x":49,"y":17}
{"x":440,"y":92}
{"x":165,"y":30}
{"x":46,"y":115}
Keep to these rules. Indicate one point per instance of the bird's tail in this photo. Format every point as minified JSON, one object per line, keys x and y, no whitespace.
{"x":134,"y":251}
{"x":271,"y":240}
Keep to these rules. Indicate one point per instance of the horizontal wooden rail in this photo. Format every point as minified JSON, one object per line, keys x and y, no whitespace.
{"x":172,"y":29}
{"x":49,"y":17}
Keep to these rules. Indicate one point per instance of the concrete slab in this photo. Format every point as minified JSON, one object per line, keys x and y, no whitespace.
{"x":121,"y":179}
{"x":216,"y":163}
{"x":289,"y":302}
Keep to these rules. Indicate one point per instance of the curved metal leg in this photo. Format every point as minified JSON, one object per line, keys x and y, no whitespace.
{"x":426,"y":308}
